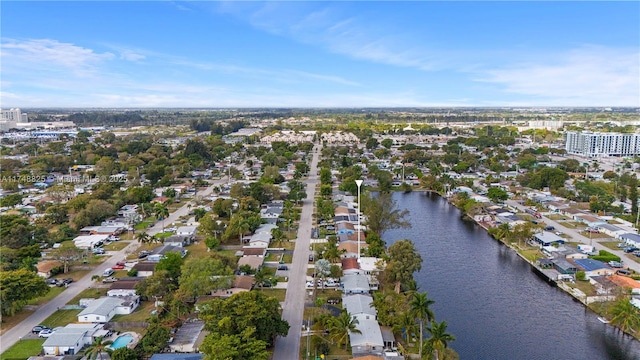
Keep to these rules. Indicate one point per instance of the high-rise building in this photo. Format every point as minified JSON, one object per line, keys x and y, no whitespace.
{"x":13,"y":115}
{"x":596,"y":144}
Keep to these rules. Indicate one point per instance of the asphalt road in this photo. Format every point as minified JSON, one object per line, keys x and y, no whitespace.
{"x":576,"y":236}
{"x":24,"y":328}
{"x":288,"y":347}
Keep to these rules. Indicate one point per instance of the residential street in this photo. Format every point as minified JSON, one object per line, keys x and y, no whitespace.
{"x":43,"y":312}
{"x":288,"y":347}
{"x":576,"y":236}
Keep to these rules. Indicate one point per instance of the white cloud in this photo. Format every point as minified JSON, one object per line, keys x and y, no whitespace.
{"x":586,"y":76}
{"x":49,"y":53}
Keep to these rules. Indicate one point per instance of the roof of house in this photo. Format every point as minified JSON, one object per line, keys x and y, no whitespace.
{"x":70,"y":335}
{"x":102,"y":306}
{"x":247,"y":250}
{"x":145,"y":266}
{"x":243,"y":282}
{"x":187,"y":229}
{"x":124,"y":285}
{"x":370,"y":333}
{"x":358,"y":304}
{"x":47,"y":265}
{"x":350,"y":263}
{"x":630,"y":236}
{"x":355,"y":282}
{"x":349,"y":246}
{"x":609,"y":227}
{"x":590,"y":264}
{"x":253,"y":261}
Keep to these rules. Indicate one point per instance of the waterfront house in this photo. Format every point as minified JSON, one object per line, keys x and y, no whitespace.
{"x":355,"y":284}
{"x":350,"y":266}
{"x":547,"y":238}
{"x":369,"y":340}
{"x":564,"y":267}
{"x":359,"y":304}
{"x":593,"y":267}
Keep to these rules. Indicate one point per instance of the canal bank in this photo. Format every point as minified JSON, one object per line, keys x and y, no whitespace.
{"x":493,"y":303}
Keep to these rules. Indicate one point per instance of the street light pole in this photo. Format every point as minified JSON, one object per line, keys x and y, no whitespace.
{"x":359,"y":183}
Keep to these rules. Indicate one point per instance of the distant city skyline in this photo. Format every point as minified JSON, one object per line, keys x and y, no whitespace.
{"x":201,"y":54}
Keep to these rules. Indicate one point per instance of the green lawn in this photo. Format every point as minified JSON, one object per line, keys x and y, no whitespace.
{"x":143,"y":225}
{"x":610,"y":244}
{"x":53,"y":292}
{"x":92,"y":293}
{"x":556,"y":217}
{"x":23,"y":349}
{"x":117,"y":245}
{"x":287,"y":258}
{"x":276,"y":293}
{"x":61,"y":318}
{"x":142,"y":313}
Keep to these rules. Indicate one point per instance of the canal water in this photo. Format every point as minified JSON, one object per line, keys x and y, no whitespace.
{"x":494,"y":304}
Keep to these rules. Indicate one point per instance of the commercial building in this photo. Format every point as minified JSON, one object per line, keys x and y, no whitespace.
{"x":596,"y":144}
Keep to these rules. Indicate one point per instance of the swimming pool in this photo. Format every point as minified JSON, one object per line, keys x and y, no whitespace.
{"x":121,"y":341}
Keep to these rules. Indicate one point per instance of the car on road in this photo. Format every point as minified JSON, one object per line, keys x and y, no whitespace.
{"x":45,"y":333}
{"x":109,"y":280}
{"x":36,"y":329}
{"x":549,"y":228}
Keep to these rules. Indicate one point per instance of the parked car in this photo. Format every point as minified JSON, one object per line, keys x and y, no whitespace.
{"x":98,"y":251}
{"x":623,"y":272}
{"x":109,"y":280}
{"x":51,"y":281}
{"x":118,"y":266}
{"x":143,"y":254}
{"x":630,"y":249}
{"x":45,"y":333}
{"x":64,"y":282}
{"x":283,"y":267}
{"x":549,"y":228}
{"x":36,"y":329}
{"x":615,"y":264}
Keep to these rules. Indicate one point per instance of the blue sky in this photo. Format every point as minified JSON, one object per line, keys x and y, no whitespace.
{"x":319,"y":54}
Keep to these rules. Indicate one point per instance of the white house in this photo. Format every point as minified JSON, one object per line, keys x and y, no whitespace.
{"x":89,"y":241}
{"x":187,"y":231}
{"x":369,"y":340}
{"x":104,"y":309}
{"x":70,"y":339}
{"x":260,"y":240}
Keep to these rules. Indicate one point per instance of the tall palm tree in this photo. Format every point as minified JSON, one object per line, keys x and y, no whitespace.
{"x":97,"y":348}
{"x":420,"y":309}
{"x":161,"y":212}
{"x":439,"y":339}
{"x":625,"y":316}
{"x":405,"y":325}
{"x":341,"y":326}
{"x":143,"y":238}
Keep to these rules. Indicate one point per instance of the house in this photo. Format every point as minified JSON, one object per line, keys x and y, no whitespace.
{"x":145,"y":269}
{"x":630,"y":239}
{"x":594,"y":267}
{"x":564,"y":267}
{"x":355,"y":284}
{"x":546,"y":238}
{"x":358,"y":304}
{"x":626,"y":282}
{"x":589,"y":220}
{"x":350,"y":266}
{"x":611,"y":230}
{"x":46,"y":267}
{"x":102,"y":230}
{"x":265,"y":228}
{"x":70,"y":339}
{"x":178,"y":240}
{"x":254,"y":262}
{"x":102,"y":310}
{"x":260,"y":240}
{"x":345,"y":227}
{"x":159,"y":252}
{"x":240,"y":283}
{"x":349,"y":249}
{"x":370,"y":264}
{"x":253,"y":251}
{"x":189,"y":231}
{"x":90,"y":241}
{"x":124,"y":287}
{"x":187,"y":338}
{"x":369,"y":340}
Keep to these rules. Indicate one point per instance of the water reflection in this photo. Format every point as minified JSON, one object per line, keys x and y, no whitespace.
{"x":493,"y":303}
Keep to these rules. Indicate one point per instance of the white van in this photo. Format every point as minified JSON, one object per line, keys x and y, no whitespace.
{"x":108,"y":272}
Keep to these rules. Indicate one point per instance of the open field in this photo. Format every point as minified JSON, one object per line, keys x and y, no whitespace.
{"x":23,"y":349}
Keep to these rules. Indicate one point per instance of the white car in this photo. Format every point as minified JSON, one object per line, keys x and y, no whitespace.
{"x":45,"y":333}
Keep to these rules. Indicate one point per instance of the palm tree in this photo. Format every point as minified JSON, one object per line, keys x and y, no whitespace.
{"x":143,"y":238}
{"x":406,"y":326}
{"x":420,"y":309}
{"x":341,"y":326}
{"x":161,"y":212}
{"x":95,"y":350}
{"x":439,"y":339}
{"x":625,"y":316}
